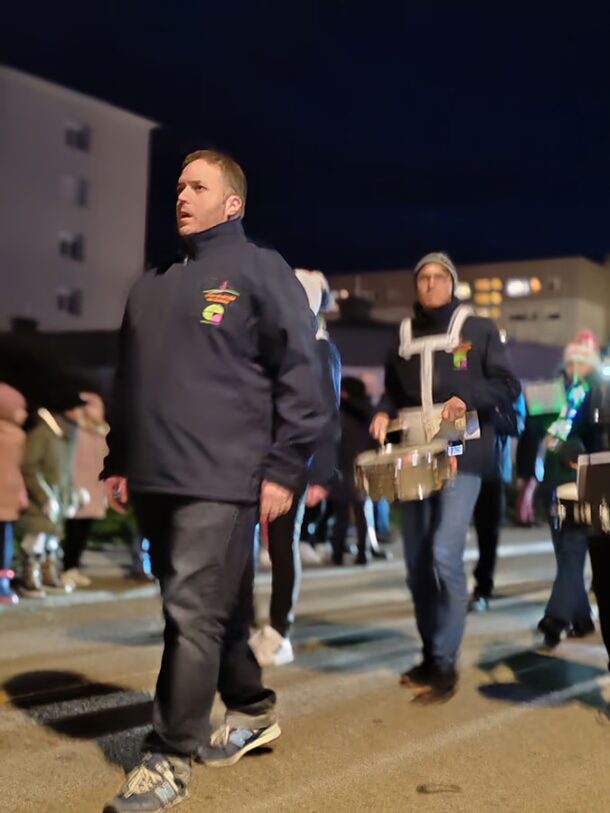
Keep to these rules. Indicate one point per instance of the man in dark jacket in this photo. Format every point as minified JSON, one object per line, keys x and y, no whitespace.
{"x":447,"y":356}
{"x":217,"y":405}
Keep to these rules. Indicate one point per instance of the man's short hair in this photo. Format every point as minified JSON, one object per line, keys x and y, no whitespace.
{"x":232,"y":173}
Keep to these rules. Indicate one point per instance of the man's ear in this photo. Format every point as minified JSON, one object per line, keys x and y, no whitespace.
{"x":233,"y":206}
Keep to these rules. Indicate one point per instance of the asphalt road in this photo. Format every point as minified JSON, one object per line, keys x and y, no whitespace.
{"x":526,"y":732}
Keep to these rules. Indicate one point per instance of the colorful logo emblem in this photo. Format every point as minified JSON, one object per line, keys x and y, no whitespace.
{"x":218,"y":300}
{"x":460,"y":356}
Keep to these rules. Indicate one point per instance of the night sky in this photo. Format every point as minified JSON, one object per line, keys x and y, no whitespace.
{"x":372,"y":132}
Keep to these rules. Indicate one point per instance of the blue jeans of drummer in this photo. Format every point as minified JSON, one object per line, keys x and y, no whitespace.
{"x":434,"y":538}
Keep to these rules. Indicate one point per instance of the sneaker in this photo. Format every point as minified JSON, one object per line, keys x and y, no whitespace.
{"x":74,"y":578}
{"x":270,"y":648}
{"x":31,"y":579}
{"x":51,"y":579}
{"x":229,"y":744}
{"x":552,"y":630}
{"x":7,"y":595}
{"x":264,"y":560}
{"x":582,"y":629}
{"x":379,"y":553}
{"x":308,"y":554}
{"x":478,"y":604}
{"x":439,"y":687}
{"x":158,"y":783}
{"x":417,"y":675}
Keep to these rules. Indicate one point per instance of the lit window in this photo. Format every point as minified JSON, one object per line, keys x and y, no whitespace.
{"x":77,"y":136}
{"x":495,"y":298}
{"x":535,"y":285}
{"x":483,"y":312}
{"x":482,"y":284}
{"x":518,"y":287}
{"x":497,"y":284}
{"x":495,"y":313}
{"x":72,"y":245}
{"x":482,"y":299}
{"x":463,"y":291}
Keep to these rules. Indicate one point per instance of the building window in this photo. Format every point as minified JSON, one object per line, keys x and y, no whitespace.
{"x":70,"y":300}
{"x":74,"y":190}
{"x":77,"y":136}
{"x":72,"y":245}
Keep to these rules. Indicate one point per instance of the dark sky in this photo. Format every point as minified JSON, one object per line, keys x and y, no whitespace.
{"x":370,"y":132}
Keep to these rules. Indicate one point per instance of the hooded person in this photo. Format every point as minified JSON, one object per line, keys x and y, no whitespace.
{"x":448,"y":361}
{"x":573,"y":433}
{"x":48,"y":474}
{"x":271,"y":644}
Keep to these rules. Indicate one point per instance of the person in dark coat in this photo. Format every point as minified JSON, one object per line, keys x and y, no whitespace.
{"x":356,"y":412}
{"x":215,"y":415}
{"x":454,"y":361}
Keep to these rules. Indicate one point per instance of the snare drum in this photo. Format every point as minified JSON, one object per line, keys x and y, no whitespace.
{"x":568,"y":511}
{"x":405,"y":473}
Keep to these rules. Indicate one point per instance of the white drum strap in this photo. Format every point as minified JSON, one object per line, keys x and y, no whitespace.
{"x":427,"y":346}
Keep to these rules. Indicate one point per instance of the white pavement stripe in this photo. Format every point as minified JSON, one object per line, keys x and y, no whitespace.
{"x":355,"y":771}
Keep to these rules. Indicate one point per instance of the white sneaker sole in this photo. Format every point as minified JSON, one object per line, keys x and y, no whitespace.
{"x":271,"y":734}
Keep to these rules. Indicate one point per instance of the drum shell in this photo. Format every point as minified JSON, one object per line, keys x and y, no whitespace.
{"x":404,"y":474}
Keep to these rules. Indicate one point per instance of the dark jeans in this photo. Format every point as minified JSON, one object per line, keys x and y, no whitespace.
{"x":76,"y":535}
{"x":202,"y":555}
{"x":285,"y":568}
{"x":569,"y":603}
{"x":488,"y":513}
{"x":599,"y":550}
{"x":434,"y":538}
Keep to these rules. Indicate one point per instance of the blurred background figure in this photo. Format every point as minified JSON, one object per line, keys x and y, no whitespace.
{"x":13,"y":495}
{"x":491,"y":503}
{"x":271,"y":644}
{"x":356,"y":413}
{"x":568,"y":609}
{"x":88,"y":462}
{"x":47,"y":472}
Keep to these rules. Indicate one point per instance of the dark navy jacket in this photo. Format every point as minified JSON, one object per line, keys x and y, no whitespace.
{"x":218,"y":379}
{"x":484,"y":380}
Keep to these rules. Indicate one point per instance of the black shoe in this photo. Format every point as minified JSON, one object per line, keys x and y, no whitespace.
{"x":361,"y":559}
{"x":418,"y":675}
{"x":439,"y":687}
{"x":377,"y":553}
{"x":582,"y":629}
{"x":552,"y":631}
{"x":158,"y":783}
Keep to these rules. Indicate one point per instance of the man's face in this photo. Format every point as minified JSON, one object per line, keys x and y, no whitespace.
{"x":203,"y":200}
{"x":434,"y":286}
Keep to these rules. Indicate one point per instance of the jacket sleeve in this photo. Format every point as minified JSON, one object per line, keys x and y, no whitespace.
{"x":498,"y":385}
{"x":324,"y":464}
{"x":287,"y":341}
{"x":115,"y":462}
{"x":35,"y":452}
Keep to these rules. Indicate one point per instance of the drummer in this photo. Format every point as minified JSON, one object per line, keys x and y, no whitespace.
{"x":446,"y":356}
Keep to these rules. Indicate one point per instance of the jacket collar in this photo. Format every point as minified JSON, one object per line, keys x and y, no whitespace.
{"x":229,"y":231}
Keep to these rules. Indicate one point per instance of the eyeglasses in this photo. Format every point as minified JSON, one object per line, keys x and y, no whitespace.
{"x":426,"y":279}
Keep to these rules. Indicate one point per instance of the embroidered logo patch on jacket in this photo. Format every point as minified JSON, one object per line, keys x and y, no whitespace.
{"x":460,"y":356}
{"x":218,"y":300}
